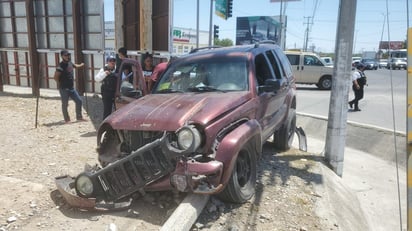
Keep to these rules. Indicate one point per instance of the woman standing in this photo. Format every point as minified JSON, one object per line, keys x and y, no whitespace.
{"x":148,"y":68}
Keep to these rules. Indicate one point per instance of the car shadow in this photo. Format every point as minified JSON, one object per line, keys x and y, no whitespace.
{"x":276,"y":171}
{"x":154,"y":208}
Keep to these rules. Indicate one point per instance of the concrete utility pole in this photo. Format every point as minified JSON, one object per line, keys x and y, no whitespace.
{"x":307,"y":33}
{"x":338,"y":107}
{"x":118,"y":23}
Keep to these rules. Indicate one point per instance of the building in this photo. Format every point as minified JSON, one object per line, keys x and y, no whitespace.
{"x":184,"y":39}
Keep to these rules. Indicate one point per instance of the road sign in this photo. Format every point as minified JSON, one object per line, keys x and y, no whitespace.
{"x":221,"y":8}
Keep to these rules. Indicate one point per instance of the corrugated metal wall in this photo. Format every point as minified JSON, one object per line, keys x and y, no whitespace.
{"x":32,"y":33}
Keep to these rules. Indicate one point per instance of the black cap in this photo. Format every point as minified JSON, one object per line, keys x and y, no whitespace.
{"x":361,"y":66}
{"x":64,"y":52}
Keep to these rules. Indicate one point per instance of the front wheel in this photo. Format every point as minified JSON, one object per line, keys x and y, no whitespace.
{"x":241,"y":185}
{"x":325,"y":83}
{"x":283,"y":138}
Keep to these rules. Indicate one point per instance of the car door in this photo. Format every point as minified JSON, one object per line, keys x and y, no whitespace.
{"x":271,"y":103}
{"x":312,"y":69}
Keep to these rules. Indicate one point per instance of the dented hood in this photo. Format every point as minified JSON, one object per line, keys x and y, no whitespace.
{"x":159,"y":112}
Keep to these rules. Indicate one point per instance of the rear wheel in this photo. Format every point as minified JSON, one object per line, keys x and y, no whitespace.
{"x":241,"y":185}
{"x":283,"y":138}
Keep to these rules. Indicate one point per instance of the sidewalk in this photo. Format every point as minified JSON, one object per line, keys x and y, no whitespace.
{"x":374,"y":184}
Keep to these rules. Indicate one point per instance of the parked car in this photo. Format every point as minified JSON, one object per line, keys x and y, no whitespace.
{"x":383,"y":63}
{"x":200,"y":130}
{"x":397,"y":63}
{"x":371,"y":64}
{"x":309,"y":68}
{"x":328,"y":61}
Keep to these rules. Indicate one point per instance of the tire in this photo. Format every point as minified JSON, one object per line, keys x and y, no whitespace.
{"x":241,"y":185}
{"x":325,"y":83}
{"x":283,"y":138}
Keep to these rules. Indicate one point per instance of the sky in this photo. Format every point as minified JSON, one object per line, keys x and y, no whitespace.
{"x":371,"y":22}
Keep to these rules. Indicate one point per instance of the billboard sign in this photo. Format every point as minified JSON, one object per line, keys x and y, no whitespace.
{"x":392,"y":45}
{"x":257,"y":28}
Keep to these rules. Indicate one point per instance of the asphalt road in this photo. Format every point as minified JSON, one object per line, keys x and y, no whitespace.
{"x":384,"y":87}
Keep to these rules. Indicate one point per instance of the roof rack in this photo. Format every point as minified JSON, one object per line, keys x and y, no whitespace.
{"x":264,"y":42}
{"x":204,"y":48}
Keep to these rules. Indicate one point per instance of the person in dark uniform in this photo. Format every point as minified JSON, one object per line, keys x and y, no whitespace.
{"x":65,"y":83}
{"x":108,"y":81}
{"x":358,"y":82}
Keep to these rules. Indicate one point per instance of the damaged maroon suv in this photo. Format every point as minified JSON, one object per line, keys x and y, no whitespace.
{"x":201,"y":129}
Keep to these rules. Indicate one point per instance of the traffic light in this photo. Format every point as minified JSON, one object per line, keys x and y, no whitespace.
{"x":229,"y":8}
{"x":215,"y":31}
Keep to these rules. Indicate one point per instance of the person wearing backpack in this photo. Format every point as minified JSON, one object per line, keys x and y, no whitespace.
{"x":358,"y":82}
{"x":65,"y":83}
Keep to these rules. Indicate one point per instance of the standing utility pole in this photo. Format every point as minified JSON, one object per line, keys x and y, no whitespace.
{"x":210,"y":23}
{"x":307,"y":34}
{"x":338,"y":108}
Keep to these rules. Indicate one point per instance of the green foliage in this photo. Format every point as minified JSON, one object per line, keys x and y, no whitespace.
{"x":223,"y":42}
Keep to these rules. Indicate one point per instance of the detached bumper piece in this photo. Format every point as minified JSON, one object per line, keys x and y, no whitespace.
{"x":121,"y":178}
{"x":65,"y":185}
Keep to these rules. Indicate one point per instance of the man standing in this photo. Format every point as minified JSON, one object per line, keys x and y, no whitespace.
{"x":108,"y":79}
{"x":65,"y":83}
{"x":122,"y":54}
{"x":358,"y":82}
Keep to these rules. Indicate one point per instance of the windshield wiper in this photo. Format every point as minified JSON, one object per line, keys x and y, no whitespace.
{"x":169,"y":90}
{"x":203,"y":89}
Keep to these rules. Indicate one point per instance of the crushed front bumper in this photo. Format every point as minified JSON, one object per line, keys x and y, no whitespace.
{"x":149,"y":168}
{"x":65,"y":185}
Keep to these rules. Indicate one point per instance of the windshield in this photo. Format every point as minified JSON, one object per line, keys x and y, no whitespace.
{"x":204,"y":76}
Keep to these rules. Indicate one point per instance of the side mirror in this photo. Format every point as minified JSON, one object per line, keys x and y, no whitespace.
{"x":271,"y":85}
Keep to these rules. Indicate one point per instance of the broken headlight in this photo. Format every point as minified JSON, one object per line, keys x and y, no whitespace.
{"x":189,"y":138}
{"x":84,"y":185}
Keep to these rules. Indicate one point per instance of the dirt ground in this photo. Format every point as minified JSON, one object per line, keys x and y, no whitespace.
{"x":33,"y":154}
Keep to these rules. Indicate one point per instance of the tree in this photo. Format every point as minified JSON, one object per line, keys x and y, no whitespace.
{"x":223,"y":42}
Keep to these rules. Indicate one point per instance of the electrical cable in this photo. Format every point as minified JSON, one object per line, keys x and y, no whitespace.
{"x":393,"y":121}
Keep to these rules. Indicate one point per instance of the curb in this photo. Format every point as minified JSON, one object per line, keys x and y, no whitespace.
{"x":377,"y":141}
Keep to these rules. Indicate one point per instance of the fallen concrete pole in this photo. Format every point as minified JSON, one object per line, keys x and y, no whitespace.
{"x":186,"y":213}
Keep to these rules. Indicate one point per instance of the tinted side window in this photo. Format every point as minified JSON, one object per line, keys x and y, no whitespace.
{"x":275,"y":64}
{"x":262,"y":69}
{"x":285,"y":62}
{"x":293,"y":59}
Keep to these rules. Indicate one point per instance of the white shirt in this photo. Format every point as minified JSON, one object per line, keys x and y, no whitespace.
{"x":356,"y":75}
{"x":101,"y":75}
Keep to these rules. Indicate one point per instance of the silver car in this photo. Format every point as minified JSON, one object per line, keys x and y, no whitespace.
{"x":397,"y":63}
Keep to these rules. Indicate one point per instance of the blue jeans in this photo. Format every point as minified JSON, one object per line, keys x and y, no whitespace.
{"x":65,"y":94}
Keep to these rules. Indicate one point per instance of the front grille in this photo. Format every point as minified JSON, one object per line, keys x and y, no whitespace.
{"x":133,"y":172}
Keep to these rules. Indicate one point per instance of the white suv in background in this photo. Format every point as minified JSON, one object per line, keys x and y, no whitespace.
{"x":309,"y":68}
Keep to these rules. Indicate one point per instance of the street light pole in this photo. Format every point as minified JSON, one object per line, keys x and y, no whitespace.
{"x":197,"y":25}
{"x":210,"y":23}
